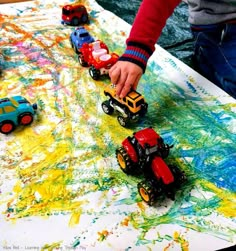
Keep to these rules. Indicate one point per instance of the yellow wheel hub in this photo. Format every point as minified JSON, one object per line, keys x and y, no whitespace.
{"x":144,"y":194}
{"x":121,"y":161}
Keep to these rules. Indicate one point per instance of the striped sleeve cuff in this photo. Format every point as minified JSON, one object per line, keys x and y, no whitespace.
{"x":137,"y":53}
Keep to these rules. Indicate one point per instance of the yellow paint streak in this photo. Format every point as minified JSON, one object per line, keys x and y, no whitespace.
{"x":227,"y":205}
{"x":75,"y":217}
{"x":103,"y":235}
{"x":17,"y":188}
{"x":42,"y":187}
{"x":40,"y":82}
{"x":125,"y":222}
{"x":179,"y":239}
{"x":51,"y":247}
{"x":52,"y":194}
{"x":141,"y":206}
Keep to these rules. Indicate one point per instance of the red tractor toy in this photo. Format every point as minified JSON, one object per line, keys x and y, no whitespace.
{"x":96,"y":56}
{"x":144,"y":152}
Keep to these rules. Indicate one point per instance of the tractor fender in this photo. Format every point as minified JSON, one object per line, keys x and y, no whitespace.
{"x":162,"y":171}
{"x":130,"y":150}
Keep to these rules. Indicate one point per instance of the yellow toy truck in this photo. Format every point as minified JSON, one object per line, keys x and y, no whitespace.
{"x":130,"y":108}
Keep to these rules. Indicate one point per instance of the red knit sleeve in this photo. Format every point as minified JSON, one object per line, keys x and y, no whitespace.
{"x":150,"y":20}
{"x":146,"y":29}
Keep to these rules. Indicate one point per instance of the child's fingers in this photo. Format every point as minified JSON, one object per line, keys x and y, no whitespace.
{"x":125,"y":90}
{"x":130,"y":83}
{"x":120,"y":84}
{"x":126,"y":76}
{"x":114,"y":74}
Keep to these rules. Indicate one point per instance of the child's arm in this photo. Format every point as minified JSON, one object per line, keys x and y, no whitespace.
{"x":148,"y":24}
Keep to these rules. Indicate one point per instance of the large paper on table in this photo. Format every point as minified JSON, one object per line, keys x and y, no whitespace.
{"x":60,"y":184}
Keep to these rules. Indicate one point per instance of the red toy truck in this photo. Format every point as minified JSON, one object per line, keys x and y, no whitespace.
{"x":144,"y":152}
{"x":97,"y":56}
{"x":74,"y":14}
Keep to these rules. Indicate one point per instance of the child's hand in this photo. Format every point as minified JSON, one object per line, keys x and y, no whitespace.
{"x":125,"y":75}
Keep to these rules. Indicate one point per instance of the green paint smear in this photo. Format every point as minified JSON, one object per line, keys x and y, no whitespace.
{"x":168,"y":105}
{"x":194,"y":217}
{"x":76,"y":243}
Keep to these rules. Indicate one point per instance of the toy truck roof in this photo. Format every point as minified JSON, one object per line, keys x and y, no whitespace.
{"x":73,"y":6}
{"x":147,"y":136}
{"x":132,"y":95}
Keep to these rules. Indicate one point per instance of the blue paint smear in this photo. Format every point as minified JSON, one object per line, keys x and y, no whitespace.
{"x":198,"y":126}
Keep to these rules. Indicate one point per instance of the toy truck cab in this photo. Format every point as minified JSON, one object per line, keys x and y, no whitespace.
{"x":130,"y":108}
{"x":74,"y":14}
{"x":96,"y":55}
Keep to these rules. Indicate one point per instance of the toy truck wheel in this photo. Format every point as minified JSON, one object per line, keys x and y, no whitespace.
{"x":122,"y":121}
{"x":35,"y":106}
{"x":124,"y":161}
{"x":107,"y":108}
{"x":179,"y":176}
{"x":164,"y":152}
{"x":71,"y":43}
{"x":94,"y":73}
{"x":147,"y":192}
{"x":7,"y":127}
{"x":84,"y":19}
{"x":144,"y":108}
{"x":81,"y":60}
{"x":26,"y":119}
{"x":73,"y":47}
{"x":75,"y":21}
{"x":163,"y":148}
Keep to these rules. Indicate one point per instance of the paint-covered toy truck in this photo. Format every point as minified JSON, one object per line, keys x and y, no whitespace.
{"x":129,"y":108}
{"x":15,"y":111}
{"x":144,"y":153}
{"x":96,"y":55}
{"x":79,"y":37}
{"x":74,"y":14}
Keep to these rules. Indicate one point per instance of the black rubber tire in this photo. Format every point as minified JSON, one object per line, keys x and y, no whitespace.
{"x":179,"y":175}
{"x":75,"y":21}
{"x":107,"y":108}
{"x":84,"y":19}
{"x":147,"y":192}
{"x":82,"y":61}
{"x":25,"y":118}
{"x":8,"y":123}
{"x":124,"y":161}
{"x":122,"y":121}
{"x":94,"y":73}
{"x":144,"y":108}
